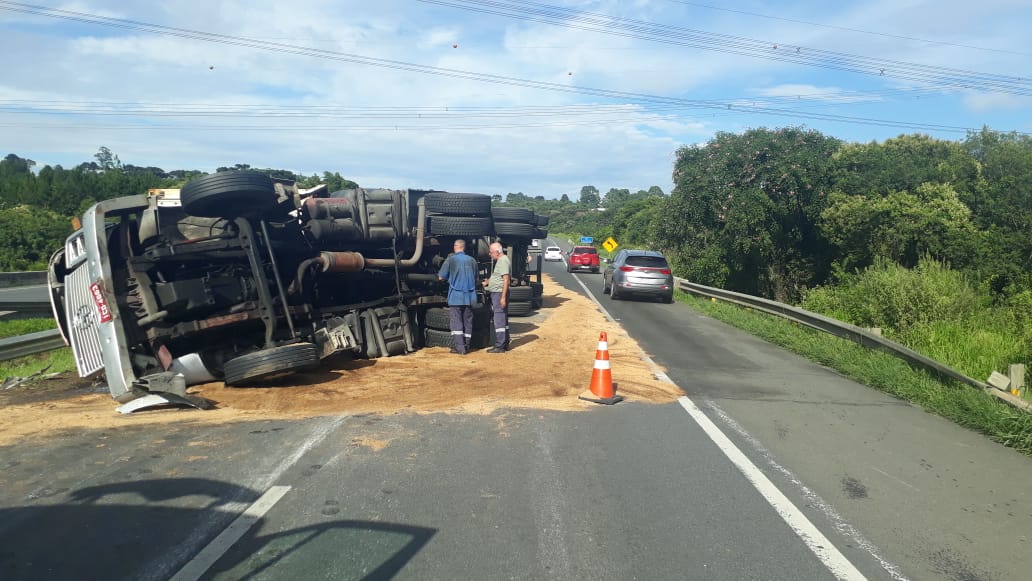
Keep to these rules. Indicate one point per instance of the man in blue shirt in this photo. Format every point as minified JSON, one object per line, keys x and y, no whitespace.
{"x":460,"y":270}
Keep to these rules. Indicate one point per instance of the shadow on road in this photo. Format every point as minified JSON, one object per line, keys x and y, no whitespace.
{"x":149,"y":529}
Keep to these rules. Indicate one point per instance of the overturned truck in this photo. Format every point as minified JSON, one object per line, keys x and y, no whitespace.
{"x":243,"y":278}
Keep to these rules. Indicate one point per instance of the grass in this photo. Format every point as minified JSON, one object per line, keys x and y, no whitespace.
{"x":960,"y":403}
{"x":59,"y":360}
{"x":17,"y":327}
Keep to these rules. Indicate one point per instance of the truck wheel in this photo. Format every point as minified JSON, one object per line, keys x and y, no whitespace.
{"x":538,"y":288}
{"x":520,"y":294}
{"x":438,"y":318}
{"x":520,"y":309}
{"x":519,"y":215}
{"x":459,"y":226}
{"x":515,"y":229}
{"x":269,"y":363}
{"x":437,"y":338}
{"x":229,"y":194}
{"x":458,"y":204}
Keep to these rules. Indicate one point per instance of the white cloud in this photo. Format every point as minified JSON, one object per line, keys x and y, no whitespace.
{"x":514,"y":150}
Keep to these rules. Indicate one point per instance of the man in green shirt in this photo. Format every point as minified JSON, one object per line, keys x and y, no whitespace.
{"x":498,"y":286}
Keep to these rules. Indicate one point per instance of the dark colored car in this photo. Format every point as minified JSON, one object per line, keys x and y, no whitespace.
{"x":583,"y":258}
{"x":638,"y":273}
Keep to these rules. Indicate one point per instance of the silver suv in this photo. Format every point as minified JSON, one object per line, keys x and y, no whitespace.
{"x":640,"y":273}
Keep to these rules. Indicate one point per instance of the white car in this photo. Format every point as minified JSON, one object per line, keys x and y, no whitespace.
{"x":553,"y":253}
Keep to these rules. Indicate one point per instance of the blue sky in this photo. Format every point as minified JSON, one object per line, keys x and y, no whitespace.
{"x":495,"y":96}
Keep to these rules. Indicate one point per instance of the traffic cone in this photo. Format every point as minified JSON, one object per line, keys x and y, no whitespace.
{"x":602,"y":389}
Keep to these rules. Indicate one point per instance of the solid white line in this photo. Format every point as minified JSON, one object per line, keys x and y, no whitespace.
{"x":826,"y":552}
{"x":227,"y":538}
{"x":812,"y":498}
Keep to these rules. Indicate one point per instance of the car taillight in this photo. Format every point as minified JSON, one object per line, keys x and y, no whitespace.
{"x":664,"y":271}
{"x":627,"y":268}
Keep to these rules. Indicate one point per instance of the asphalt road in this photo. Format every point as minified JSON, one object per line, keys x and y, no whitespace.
{"x":924,"y":497}
{"x":831,"y":479}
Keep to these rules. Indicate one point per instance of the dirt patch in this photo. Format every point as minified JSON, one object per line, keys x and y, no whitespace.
{"x":550,"y":364}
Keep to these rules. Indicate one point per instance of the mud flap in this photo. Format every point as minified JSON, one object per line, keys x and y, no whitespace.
{"x":163,"y":390}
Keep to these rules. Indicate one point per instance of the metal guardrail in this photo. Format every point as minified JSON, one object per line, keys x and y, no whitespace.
{"x":27,"y":304}
{"x":846,"y":331}
{"x":39,"y":307}
{"x":24,"y":278}
{"x":22,"y":345}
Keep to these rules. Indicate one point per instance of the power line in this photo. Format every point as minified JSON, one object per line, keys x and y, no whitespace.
{"x":640,"y":98}
{"x":848,"y":29}
{"x":681,"y":36}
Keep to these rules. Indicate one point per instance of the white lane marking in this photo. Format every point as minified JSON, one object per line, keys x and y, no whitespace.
{"x":318,"y":435}
{"x":839,"y":523}
{"x":812,"y":498}
{"x":826,"y":552}
{"x":227,"y":538}
{"x":322,"y":429}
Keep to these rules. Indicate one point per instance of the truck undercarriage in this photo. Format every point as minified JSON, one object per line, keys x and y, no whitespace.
{"x":243,"y":278}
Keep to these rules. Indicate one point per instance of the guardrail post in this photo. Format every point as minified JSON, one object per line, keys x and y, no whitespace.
{"x":874,"y":331}
{"x":1017,"y":378}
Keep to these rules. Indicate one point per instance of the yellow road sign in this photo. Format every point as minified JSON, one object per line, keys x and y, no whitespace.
{"x":610,"y":244}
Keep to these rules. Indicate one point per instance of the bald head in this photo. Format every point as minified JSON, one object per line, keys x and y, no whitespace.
{"x":496,"y":249}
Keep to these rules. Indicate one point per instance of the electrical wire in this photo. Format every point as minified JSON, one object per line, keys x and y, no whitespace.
{"x":640,"y":98}
{"x":681,"y":36}
{"x":848,"y":29}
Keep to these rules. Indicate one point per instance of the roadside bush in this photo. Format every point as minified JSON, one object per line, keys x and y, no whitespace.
{"x":895,"y":298}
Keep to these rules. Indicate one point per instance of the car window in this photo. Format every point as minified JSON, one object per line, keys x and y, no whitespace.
{"x":585,"y":250}
{"x":647,"y":261}
{"x":553,"y":248}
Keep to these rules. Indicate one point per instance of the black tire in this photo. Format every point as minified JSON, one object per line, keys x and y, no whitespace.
{"x":539,"y":289}
{"x":267,"y":363}
{"x":539,"y":233}
{"x":537,"y":303}
{"x":520,"y":215}
{"x":438,"y":318}
{"x":460,"y":226}
{"x":520,"y":309}
{"x":437,"y":338}
{"x":612,"y":293}
{"x":229,"y":194}
{"x":668,"y":298}
{"x":605,"y":287}
{"x":514,"y":229}
{"x":518,"y":294}
{"x":483,"y":327}
{"x":541,"y":220}
{"x":458,"y":204}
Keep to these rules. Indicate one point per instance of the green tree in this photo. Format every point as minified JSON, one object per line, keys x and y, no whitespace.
{"x":107,"y":160}
{"x":902,"y":164}
{"x":31,"y":235}
{"x":744,"y":210}
{"x":902,"y":226}
{"x":615,"y":198}
{"x":589,"y":197}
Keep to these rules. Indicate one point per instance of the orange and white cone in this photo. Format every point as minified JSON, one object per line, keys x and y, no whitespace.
{"x":602,"y":389}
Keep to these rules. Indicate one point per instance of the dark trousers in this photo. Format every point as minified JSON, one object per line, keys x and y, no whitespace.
{"x":460,"y":321}
{"x":501,"y":321}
